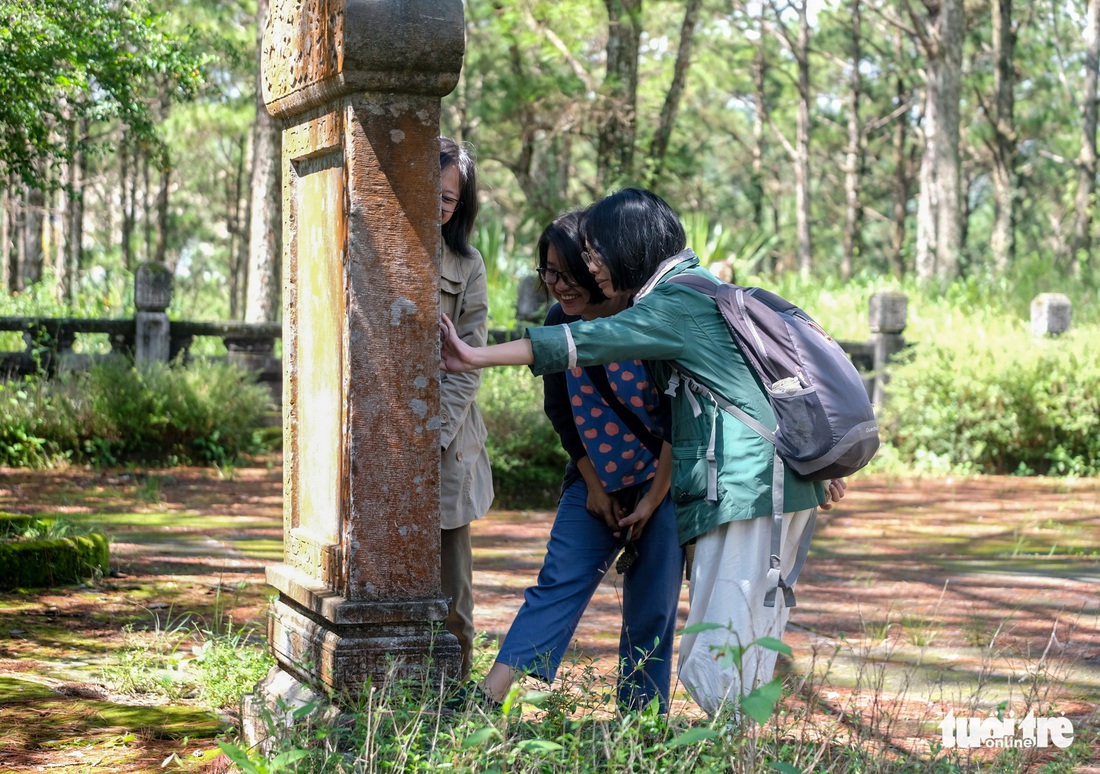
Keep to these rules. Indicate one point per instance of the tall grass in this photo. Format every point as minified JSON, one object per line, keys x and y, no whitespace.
{"x":884,"y":718}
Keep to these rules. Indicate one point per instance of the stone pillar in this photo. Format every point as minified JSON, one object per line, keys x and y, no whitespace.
{"x":152,"y":295}
{"x":1051,"y":314}
{"x":888,"y":318}
{"x":357,"y":86}
{"x":532,"y":300}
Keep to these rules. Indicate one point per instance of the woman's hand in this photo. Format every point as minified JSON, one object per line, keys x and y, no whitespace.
{"x":834,"y":492}
{"x":639,"y":517}
{"x":603,"y":506}
{"x":455,"y":355}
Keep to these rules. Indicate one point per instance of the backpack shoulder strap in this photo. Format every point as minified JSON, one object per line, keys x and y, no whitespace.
{"x":599,"y":379}
{"x":695,"y":282}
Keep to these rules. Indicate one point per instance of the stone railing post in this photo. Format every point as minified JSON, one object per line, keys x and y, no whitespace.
{"x":1051,"y":314}
{"x":357,"y":86}
{"x":152,"y":296}
{"x":888,"y":317}
{"x":532,"y":300}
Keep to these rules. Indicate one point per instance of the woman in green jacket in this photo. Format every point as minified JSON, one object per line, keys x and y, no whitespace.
{"x":722,"y":470}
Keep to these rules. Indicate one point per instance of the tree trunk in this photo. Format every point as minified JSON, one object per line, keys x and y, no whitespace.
{"x":126,"y":184}
{"x":1003,"y":239}
{"x":6,"y":252}
{"x":1081,"y":251}
{"x":659,"y":147}
{"x":237,"y":206}
{"x":901,"y":177}
{"x":53,"y":237}
{"x":265,"y":220}
{"x":939,"y":210}
{"x":34,"y":252}
{"x":615,"y":149}
{"x":802,"y":157}
{"x":853,"y":161}
{"x":165,"y":168}
{"x":74,"y":255}
{"x":949,"y":215}
{"x":19,"y":227}
{"x":146,"y":207}
{"x":161,"y":255}
{"x":927,"y":199}
{"x":759,"y":121}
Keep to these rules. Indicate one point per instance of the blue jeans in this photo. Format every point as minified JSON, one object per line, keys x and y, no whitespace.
{"x":581,"y":551}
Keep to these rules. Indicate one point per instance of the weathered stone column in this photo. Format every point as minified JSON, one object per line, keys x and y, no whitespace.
{"x":152,"y":295}
{"x":888,"y":316}
{"x":357,"y":84}
{"x":1051,"y":314}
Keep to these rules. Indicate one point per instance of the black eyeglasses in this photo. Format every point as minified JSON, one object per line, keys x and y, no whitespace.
{"x":551,"y":276}
{"x":450,"y":204}
{"x":592,"y":259}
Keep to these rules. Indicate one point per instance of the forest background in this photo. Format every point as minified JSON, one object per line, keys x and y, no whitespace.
{"x":827,"y":149}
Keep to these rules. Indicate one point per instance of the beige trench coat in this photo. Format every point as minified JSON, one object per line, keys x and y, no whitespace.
{"x":466,"y":481}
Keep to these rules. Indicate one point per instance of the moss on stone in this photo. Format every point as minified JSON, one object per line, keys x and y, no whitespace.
{"x":43,"y":562}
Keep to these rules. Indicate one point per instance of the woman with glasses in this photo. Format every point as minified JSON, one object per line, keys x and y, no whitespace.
{"x":466,"y":480}
{"x":721,"y":469}
{"x":614,"y":497}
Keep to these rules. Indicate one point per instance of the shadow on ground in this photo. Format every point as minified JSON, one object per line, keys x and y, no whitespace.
{"x":920,"y":597}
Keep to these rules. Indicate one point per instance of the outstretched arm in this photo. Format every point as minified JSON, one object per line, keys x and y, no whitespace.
{"x":456,"y":356}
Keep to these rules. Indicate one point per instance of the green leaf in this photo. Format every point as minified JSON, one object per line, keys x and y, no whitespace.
{"x":286,"y":759}
{"x":239,"y":757}
{"x":538,"y":746}
{"x":479,"y":737}
{"x":786,"y":768}
{"x":536,"y":698}
{"x":771,"y":643}
{"x":692,"y":736}
{"x":761,"y":702}
{"x":701,"y":627}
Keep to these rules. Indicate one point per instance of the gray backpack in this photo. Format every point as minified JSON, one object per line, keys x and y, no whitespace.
{"x":826,"y":426}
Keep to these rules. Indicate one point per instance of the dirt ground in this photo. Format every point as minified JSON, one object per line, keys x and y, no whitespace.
{"x":921,"y":597}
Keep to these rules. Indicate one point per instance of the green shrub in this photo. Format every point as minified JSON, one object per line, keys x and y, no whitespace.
{"x":204,"y":412}
{"x":998,"y":402}
{"x":526,"y":454}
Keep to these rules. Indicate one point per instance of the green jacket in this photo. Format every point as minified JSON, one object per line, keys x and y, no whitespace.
{"x":670,"y":322}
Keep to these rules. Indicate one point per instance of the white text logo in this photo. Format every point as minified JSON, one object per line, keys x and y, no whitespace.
{"x":1006,"y":732}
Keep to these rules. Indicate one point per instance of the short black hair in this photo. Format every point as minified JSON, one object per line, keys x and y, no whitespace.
{"x":457,"y":231}
{"x":564,"y":235}
{"x":633,"y":230}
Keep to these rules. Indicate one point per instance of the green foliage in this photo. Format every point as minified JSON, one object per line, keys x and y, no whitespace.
{"x":525,"y":452}
{"x":228,"y":665}
{"x":205,"y":412}
{"x":989,"y":405}
{"x":66,"y":60}
{"x":179,"y":661}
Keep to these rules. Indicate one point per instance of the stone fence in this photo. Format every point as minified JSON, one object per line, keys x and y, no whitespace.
{"x":150,"y":336}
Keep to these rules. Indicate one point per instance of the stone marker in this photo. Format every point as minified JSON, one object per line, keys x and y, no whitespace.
{"x":1051,"y":314}
{"x":888,"y":316}
{"x":152,"y":295}
{"x":357,"y":86}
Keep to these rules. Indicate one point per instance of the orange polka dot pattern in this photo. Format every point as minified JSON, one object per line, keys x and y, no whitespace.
{"x":619,"y":457}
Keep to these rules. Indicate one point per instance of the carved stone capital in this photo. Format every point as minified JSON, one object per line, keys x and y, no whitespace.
{"x":315,"y":51}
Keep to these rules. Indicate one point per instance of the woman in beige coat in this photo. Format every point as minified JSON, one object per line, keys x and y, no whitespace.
{"x":466,"y":482}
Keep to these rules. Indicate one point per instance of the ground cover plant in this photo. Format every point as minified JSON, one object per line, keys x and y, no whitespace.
{"x":207,"y":412}
{"x":922,"y":596}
